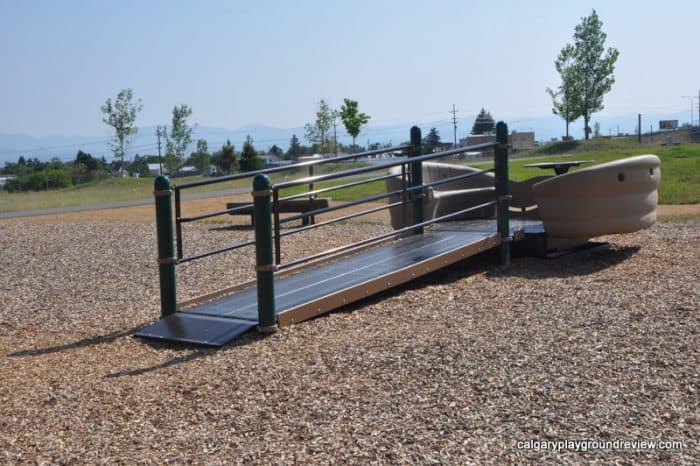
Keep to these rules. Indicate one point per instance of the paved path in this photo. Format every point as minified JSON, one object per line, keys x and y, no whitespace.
{"x":116,"y":205}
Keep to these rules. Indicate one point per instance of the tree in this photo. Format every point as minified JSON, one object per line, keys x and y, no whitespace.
{"x":565,"y":98}
{"x":352,"y":118}
{"x":316,"y":133}
{"x":294,"y":150}
{"x":592,"y":67}
{"x":276,"y":151}
{"x":179,"y":139}
{"x":249,"y":156}
{"x":225,"y":159}
{"x":201,"y":158}
{"x":431,"y":141}
{"x":121,"y":115}
{"x":484,"y":123}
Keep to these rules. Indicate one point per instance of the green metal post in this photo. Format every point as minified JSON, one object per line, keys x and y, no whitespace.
{"x":502,"y":191}
{"x":262,"y":192}
{"x":166,"y":252}
{"x":417,"y":178}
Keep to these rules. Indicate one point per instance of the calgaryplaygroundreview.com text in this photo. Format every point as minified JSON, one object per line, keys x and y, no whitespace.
{"x":586,"y":445}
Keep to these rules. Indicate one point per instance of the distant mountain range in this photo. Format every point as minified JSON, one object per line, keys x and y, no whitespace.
{"x":145,"y":143}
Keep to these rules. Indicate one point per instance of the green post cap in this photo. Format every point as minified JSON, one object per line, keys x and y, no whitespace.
{"x":261,"y":182}
{"x":161,"y":183}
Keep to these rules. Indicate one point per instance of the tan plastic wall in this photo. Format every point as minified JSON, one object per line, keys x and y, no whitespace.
{"x":614,"y":197}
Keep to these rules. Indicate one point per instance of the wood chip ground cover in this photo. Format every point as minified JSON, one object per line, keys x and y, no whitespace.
{"x":455,"y":369}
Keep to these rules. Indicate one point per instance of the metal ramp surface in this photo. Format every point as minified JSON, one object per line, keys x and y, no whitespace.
{"x":317,"y":290}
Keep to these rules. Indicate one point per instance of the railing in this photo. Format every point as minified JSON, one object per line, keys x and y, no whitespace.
{"x":268,"y":223}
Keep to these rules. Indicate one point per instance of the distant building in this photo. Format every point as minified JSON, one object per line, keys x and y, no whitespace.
{"x":521,"y":141}
{"x":516,"y":141}
{"x":5,"y":178}
{"x":154,"y":169}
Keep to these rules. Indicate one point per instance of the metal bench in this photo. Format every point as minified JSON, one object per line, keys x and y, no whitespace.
{"x":285,"y":206}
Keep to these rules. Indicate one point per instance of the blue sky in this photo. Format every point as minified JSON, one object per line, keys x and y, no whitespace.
{"x":269,"y":62}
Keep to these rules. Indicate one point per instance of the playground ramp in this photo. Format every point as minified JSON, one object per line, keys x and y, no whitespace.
{"x":318,"y":289}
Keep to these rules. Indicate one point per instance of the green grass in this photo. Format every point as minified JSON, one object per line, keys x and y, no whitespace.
{"x":130,"y":189}
{"x":680,"y":165}
{"x":680,"y":176}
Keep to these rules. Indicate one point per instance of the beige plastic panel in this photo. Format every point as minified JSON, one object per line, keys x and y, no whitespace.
{"x":615,"y":197}
{"x":446,"y":198}
{"x":460,"y":194}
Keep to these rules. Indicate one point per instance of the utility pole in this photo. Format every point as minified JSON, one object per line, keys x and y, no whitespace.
{"x":454,"y":122}
{"x":335,"y":137}
{"x":639,"y":125}
{"x":160,"y":160}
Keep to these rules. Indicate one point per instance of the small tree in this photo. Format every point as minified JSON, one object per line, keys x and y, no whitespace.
{"x":316,"y":133}
{"x":352,"y":119}
{"x":201,"y":158}
{"x":179,"y":139}
{"x":249,"y":156}
{"x":484,"y":123}
{"x":592,"y":67}
{"x":121,"y":115}
{"x":565,"y":100}
{"x":431,"y":141}
{"x":225,"y":159}
{"x":295,"y":149}
{"x":276,"y":151}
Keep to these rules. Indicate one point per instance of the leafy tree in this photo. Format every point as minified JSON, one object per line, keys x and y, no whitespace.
{"x":565,"y":98}
{"x":593,"y":67}
{"x":431,"y":141}
{"x":179,"y":139}
{"x":295,"y":148}
{"x":201,"y":158}
{"x":91,"y":163}
{"x":140,"y":165}
{"x":352,"y":118}
{"x":484,"y":123}
{"x":316,"y":133}
{"x":249,"y":156}
{"x":276,"y":151}
{"x":225,"y":159}
{"x":121,"y":115}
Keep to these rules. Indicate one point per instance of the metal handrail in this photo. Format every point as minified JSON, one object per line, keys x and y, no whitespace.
{"x":374,"y":239}
{"x":336,"y":188}
{"x":290,"y":167}
{"x":361,"y":170}
{"x":383,"y":195}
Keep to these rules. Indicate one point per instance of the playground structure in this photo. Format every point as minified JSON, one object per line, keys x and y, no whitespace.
{"x":441,"y":214}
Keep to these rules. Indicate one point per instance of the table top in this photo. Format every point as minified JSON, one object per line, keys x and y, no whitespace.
{"x":559,"y":167}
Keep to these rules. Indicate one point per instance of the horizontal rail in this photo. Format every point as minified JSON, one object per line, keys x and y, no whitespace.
{"x":290,"y":167}
{"x":340,"y":219}
{"x":339,"y":207}
{"x":382,"y":196}
{"x":215,"y":214}
{"x":336,"y":188}
{"x":358,"y":244}
{"x":361,"y":170}
{"x":215,"y":251}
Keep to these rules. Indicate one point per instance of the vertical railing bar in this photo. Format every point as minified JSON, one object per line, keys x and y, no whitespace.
{"x":417,"y":178}
{"x":404,"y":195}
{"x":276,"y":214}
{"x":311,"y":188}
{"x":164,"y":231}
{"x":178,"y":224}
{"x":502,"y":191}
{"x":267,"y":318}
